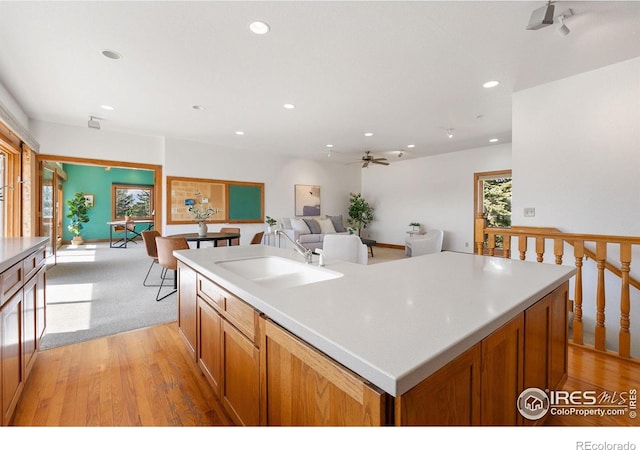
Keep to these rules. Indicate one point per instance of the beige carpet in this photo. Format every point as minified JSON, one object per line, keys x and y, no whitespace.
{"x":384,"y":254}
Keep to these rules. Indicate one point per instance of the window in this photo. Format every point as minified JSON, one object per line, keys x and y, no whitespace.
{"x":493,"y":200}
{"x":132,"y":200}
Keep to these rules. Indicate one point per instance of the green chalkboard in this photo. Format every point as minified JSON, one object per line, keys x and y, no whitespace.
{"x":245,"y":202}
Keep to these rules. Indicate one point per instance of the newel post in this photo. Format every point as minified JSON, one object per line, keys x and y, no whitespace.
{"x":480,"y":223}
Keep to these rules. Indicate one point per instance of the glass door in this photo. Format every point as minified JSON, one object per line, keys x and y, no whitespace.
{"x":48,"y":210}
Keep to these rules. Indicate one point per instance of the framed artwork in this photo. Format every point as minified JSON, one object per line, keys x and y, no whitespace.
{"x":89,"y":199}
{"x":307,"y":200}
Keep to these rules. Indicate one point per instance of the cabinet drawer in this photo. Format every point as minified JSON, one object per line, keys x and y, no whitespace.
{"x":33,"y":262}
{"x":211,"y":292}
{"x":242,"y":315}
{"x":11,"y":281}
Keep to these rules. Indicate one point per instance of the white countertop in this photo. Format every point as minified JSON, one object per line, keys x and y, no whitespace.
{"x":393,"y":323}
{"x":15,"y":249}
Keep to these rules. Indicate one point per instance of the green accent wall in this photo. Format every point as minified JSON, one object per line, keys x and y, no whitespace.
{"x":245,"y":202}
{"x":97,"y":181}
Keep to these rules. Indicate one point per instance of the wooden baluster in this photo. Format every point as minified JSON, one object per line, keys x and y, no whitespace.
{"x":491,"y":243}
{"x":540,"y":249}
{"x":522,"y":247}
{"x":480,"y":223}
{"x":506,"y":245}
{"x":624,"y":338}
{"x":558,"y":249}
{"x":601,"y":331}
{"x":578,"y":252}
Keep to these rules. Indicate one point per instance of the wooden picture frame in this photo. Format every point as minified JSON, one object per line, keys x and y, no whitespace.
{"x":307,"y":200}
{"x":235,"y":201}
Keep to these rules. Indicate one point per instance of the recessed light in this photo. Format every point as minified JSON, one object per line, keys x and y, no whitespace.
{"x":493,"y":140}
{"x":198,"y":107}
{"x":107,"y":107}
{"x":329,"y":145}
{"x":411,"y":146}
{"x":289,"y":106}
{"x":490,"y":84}
{"x":111,"y":54}
{"x":240,"y":133}
{"x":368,"y":134}
{"x":259,"y":27}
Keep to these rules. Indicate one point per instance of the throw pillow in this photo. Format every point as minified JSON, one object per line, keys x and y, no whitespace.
{"x":337,"y":223}
{"x":300,"y":226}
{"x":314,"y":226}
{"x":326,"y":226}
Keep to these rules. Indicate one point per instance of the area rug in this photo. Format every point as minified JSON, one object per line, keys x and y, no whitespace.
{"x":95,"y":291}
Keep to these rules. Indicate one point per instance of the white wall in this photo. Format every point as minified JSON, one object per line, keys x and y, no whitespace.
{"x":436,"y":191}
{"x":576,"y":152}
{"x":279,"y":174}
{"x":84,"y":142}
{"x":10,"y":103}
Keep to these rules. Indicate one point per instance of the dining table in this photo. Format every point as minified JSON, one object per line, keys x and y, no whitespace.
{"x":214,"y":237}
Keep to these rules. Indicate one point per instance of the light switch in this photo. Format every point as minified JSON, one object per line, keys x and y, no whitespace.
{"x":529,"y":212}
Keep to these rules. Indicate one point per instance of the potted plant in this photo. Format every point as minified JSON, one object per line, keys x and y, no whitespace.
{"x":201,"y":213}
{"x":415,"y":226}
{"x":127,"y":214}
{"x":271,"y":222}
{"x":79,"y":214}
{"x":360,"y":212}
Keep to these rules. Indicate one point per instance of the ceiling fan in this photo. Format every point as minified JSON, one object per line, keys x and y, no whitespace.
{"x":367,"y":158}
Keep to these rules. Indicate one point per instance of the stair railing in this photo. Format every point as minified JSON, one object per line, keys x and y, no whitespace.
{"x":485,"y":243}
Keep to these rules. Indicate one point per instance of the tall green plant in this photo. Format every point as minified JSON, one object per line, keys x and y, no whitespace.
{"x":78,"y":213}
{"x":360,"y":212}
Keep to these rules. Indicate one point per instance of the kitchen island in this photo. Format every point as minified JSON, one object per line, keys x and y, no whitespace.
{"x":448,"y":338}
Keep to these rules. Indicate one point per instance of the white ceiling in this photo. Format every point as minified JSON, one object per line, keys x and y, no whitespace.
{"x":405,"y":71}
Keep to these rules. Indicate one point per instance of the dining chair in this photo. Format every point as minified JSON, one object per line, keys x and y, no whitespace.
{"x":149,"y":238}
{"x":257,"y":238}
{"x":236,"y":241}
{"x":128,"y":228}
{"x":166,"y":246}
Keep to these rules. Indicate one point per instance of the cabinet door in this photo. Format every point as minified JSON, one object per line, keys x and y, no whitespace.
{"x":41,"y":305}
{"x":187,"y":306}
{"x":11,"y":377}
{"x":241,"y":378}
{"x":558,"y":337}
{"x":451,"y":396}
{"x":305,"y":387}
{"x":210,"y":344}
{"x":502,"y":374}
{"x":29,"y":343}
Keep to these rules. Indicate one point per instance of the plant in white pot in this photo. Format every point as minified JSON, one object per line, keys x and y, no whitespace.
{"x":201,"y":213}
{"x":79,"y":215}
{"x":271,"y":222}
{"x":415,"y":226}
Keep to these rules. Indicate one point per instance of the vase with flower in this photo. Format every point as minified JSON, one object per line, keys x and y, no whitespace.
{"x":201,"y":213}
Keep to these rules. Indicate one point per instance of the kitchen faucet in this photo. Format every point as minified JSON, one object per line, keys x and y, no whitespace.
{"x":297,"y":246}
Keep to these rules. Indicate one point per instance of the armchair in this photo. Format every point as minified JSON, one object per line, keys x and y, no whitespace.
{"x":431,"y":242}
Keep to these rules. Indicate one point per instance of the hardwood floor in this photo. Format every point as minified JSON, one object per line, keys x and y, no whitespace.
{"x":138,"y":378}
{"x":146,"y":378}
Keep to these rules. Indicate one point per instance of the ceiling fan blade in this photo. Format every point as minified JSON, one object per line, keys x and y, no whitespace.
{"x":365,"y":164}
{"x":384,"y":163}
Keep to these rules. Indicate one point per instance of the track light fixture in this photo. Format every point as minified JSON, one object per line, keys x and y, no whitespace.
{"x":93,"y":123}
{"x":541,"y":17}
{"x":564,"y":29}
{"x":450,"y":133}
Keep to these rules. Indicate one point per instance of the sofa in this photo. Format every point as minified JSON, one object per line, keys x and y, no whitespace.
{"x":311,"y":231}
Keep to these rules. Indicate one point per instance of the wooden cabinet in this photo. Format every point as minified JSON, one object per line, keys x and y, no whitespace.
{"x":305,"y":387}
{"x":501,"y":374}
{"x":210,"y":344}
{"x":241,"y":376}
{"x":451,"y":396}
{"x":22,"y":324}
{"x":227,"y":350}
{"x":187,"y":306}
{"x":545,"y":350}
{"x":11,"y":371}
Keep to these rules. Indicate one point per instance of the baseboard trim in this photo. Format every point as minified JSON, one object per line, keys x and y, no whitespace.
{"x":396,"y":246}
